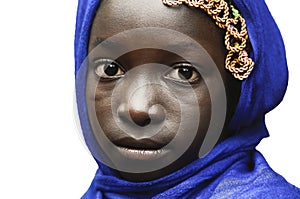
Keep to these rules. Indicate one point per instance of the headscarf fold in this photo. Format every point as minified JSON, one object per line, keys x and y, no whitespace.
{"x":233,"y":168}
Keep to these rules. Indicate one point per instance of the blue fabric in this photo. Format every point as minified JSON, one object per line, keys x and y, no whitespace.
{"x":233,"y":169}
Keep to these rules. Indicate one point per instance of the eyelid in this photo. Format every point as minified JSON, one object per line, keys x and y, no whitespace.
{"x":102,"y":60}
{"x":107,"y":60}
{"x":185,"y":64}
{"x":99,"y":61}
{"x":196,"y":67}
{"x":179,"y":65}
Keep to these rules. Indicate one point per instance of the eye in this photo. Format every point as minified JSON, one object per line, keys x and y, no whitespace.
{"x":108,"y":69}
{"x":183,"y":72}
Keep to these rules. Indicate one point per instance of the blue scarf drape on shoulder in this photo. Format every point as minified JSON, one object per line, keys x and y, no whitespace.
{"x":233,"y":169}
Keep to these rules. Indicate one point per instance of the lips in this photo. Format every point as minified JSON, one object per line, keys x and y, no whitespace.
{"x":129,"y":142}
{"x":143,"y":149}
{"x":141,"y":154}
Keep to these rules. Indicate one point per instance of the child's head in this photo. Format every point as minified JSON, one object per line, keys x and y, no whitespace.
{"x":146,"y":97}
{"x":162,"y":85}
{"x":160,"y":96}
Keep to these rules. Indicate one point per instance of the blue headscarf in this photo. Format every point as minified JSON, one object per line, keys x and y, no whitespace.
{"x":233,"y":168}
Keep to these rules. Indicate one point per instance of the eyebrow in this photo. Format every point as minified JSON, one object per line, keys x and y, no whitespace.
{"x":100,"y":40}
{"x":182,"y":44}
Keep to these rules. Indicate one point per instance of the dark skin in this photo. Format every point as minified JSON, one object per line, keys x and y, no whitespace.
{"x":116,"y":16}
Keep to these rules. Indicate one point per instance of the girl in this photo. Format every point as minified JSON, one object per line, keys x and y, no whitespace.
{"x":172,"y":97}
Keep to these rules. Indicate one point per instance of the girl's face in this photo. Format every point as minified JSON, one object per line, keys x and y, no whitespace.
{"x":139,"y":90}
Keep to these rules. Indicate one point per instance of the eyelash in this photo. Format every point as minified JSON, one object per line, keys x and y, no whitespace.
{"x":116,"y":73}
{"x":101,"y":72}
{"x":184,"y":65}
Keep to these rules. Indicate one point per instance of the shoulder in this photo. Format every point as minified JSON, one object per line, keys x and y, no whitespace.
{"x":258,"y":182}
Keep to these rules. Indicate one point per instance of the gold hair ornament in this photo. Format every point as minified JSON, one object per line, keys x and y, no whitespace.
{"x":237,"y":60}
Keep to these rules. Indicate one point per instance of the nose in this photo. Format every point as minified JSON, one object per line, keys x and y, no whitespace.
{"x":142,"y":108}
{"x":141,"y":116}
{"x":155,"y":115}
{"x":139,"y":99}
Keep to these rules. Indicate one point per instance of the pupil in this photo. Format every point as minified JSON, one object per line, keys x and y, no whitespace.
{"x":185,"y":73}
{"x":111,"y":69}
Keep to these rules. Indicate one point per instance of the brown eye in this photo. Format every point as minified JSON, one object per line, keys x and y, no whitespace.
{"x":109,"y":69}
{"x":183,"y":72}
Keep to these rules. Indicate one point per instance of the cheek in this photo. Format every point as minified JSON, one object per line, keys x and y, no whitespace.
{"x":204,"y":102}
{"x":195,"y":119}
{"x":99,"y":106}
{"x":103,"y":107}
{"x":205,"y":109}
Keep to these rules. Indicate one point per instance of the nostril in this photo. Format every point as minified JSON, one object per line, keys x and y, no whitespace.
{"x":157,"y":113}
{"x":140,"y":118}
{"x":154,"y":115}
{"x":131,"y":115}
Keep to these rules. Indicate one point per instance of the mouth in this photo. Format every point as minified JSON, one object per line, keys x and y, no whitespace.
{"x":144,"y":149}
{"x":142,"y":154}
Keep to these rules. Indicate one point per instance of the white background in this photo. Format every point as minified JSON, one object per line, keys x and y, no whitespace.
{"x":41,"y":153}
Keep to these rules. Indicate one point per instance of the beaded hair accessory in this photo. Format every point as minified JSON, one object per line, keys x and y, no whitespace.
{"x":237,"y":60}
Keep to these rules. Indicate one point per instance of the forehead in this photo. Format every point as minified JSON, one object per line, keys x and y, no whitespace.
{"x":115,"y":16}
